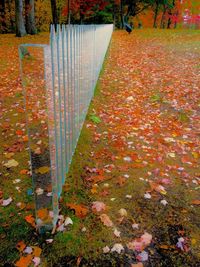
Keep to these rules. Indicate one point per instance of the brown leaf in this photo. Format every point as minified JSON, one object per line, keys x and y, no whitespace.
{"x":164,"y":247}
{"x":121,"y":181}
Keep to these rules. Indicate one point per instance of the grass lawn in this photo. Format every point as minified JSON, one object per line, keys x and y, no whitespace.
{"x":141,"y":160}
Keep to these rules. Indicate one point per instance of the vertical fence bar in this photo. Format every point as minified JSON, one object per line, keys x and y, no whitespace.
{"x":35,"y":72}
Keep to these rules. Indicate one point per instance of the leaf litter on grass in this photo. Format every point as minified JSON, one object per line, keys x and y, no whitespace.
{"x":145,"y":147}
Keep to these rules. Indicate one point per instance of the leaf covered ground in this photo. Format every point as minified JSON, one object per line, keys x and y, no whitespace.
{"x":132,"y":196}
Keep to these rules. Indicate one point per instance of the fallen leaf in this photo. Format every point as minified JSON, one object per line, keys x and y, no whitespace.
{"x":117,"y":233}
{"x":164,"y":246}
{"x":68,"y":221}
{"x":106,"y":220}
{"x":146,"y":238}
{"x":9,"y":155}
{"x":195,"y":202}
{"x":147,"y":196}
{"x":6,"y":202}
{"x":128,"y":159}
{"x":157,"y":187}
{"x":37,"y":251}
{"x":43,"y":214}
{"x":98,"y":206}
{"x":30,"y":219}
{"x":23,"y":171}
{"x":36,"y":261}
{"x":139,"y":264}
{"x":139,"y":244}
{"x":117,"y":248}
{"x":164,"y":202}
{"x":19,"y":132}
{"x":21,"y":246}
{"x":123,"y":212}
{"x":121,"y":181}
{"x":81,"y":211}
{"x":24,"y":261}
{"x":28,"y":250}
{"x":106,"y":249}
{"x":143,"y":256}
{"x":39,"y":191}
{"x":43,"y":170}
{"x":49,"y":241}
{"x":94,"y":189}
{"x":11,"y":163}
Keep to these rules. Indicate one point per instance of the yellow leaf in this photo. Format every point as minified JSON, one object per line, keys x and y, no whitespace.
{"x":195,"y":155}
{"x":43,"y":170}
{"x":37,"y":251}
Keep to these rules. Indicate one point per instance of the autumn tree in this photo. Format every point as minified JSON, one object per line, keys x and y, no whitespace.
{"x":19,"y":20}
{"x":83,"y":11}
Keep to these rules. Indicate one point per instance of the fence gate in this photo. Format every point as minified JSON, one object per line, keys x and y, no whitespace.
{"x":58,"y":81}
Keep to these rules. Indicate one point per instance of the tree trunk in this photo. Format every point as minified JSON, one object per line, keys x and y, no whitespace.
{"x":121,"y":14}
{"x":20,"y":28}
{"x":156,"y":15}
{"x":169,"y":21}
{"x":2,"y":16}
{"x":54,"y":12}
{"x":10,"y":15}
{"x":114,"y":15}
{"x":162,"y":23}
{"x":30,"y":17}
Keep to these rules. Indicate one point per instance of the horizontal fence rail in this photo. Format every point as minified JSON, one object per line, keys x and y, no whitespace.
{"x":59,"y":81}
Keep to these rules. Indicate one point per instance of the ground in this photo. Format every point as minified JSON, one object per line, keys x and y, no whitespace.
{"x":136,"y":167}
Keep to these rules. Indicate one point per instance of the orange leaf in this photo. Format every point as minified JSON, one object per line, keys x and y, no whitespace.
{"x":139,"y":264}
{"x":30,"y":219}
{"x":24,"y":261}
{"x":19,"y":132}
{"x":196,"y":202}
{"x":21,"y":246}
{"x":98,"y":178}
{"x":80,"y":210}
{"x":43,"y":214}
{"x":25,"y":138}
{"x":94,"y":189}
{"x":23,"y":171}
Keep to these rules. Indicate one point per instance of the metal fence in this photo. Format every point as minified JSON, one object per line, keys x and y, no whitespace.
{"x":59,"y":81}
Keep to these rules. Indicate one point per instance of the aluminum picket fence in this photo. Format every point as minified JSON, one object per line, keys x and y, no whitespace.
{"x":59,"y":81}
